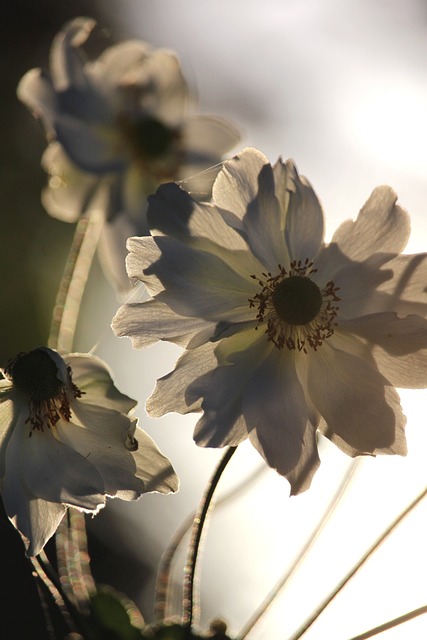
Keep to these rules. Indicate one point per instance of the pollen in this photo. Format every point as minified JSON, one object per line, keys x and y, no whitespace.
{"x":297,"y":313}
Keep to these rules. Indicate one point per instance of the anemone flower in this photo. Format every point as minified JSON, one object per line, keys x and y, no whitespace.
{"x":67,"y":439}
{"x":118,"y":126}
{"x":285,"y":336}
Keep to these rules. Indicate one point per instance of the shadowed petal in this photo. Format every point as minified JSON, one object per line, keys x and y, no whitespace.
{"x":279,"y":426}
{"x":362,"y":412}
{"x":145,"y":323}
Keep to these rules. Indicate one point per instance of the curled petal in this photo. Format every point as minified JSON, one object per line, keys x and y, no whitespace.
{"x":381,"y":226}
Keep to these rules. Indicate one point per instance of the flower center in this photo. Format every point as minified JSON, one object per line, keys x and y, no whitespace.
{"x":297,"y":300}
{"x":296,"y":311}
{"x":35,"y":374}
{"x":152,"y":138}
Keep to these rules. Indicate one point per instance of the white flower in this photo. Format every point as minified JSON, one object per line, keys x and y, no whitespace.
{"x":121,"y":125}
{"x":284,"y":335}
{"x":66,"y":439}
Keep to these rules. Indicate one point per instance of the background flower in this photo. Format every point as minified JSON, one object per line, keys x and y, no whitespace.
{"x":67,"y":439}
{"x":118,"y":126}
{"x":284,"y":334}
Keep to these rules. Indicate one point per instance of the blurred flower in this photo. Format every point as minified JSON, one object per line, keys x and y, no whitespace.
{"x":66,"y":439}
{"x":118,"y":127}
{"x":284,"y":334}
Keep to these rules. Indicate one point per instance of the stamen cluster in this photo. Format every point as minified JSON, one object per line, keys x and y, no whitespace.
{"x":35,"y":375}
{"x":281,"y":328}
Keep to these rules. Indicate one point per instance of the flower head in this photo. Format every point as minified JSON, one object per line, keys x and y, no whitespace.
{"x":284,"y":335}
{"x":118,"y":126}
{"x":67,"y":439}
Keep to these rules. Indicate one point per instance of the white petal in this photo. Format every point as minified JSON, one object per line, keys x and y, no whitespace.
{"x":35,"y":90}
{"x":224,"y":388}
{"x":170,"y":392}
{"x":277,"y":419}
{"x":154,"y":469}
{"x":94,"y":378}
{"x":245,"y":187}
{"x":399,"y":346}
{"x":304,"y":226}
{"x":362,"y":412}
{"x":66,"y":60}
{"x":381,"y":226}
{"x":11,"y":411}
{"x":200,"y":284}
{"x":87,"y":147}
{"x":173,"y":212}
{"x":147,"y":322}
{"x":206,"y":139}
{"x":105,"y":449}
{"x":70,"y":192}
{"x":51,"y":470}
{"x":406,"y":293}
{"x":36,"y":519}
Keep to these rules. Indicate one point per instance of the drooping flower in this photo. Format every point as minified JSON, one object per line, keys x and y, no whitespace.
{"x":118,"y":126}
{"x":67,"y":439}
{"x":284,"y":335}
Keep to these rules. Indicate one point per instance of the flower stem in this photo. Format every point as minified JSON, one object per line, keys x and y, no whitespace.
{"x":166,"y":561}
{"x":330,"y":509}
{"x":189,"y":599}
{"x":73,"y":282}
{"x":307,"y":624}
{"x":392,"y":623}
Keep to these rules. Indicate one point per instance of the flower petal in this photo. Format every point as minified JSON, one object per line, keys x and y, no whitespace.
{"x":399,"y":346}
{"x":147,"y":322}
{"x":98,"y":440}
{"x":200,"y":284}
{"x":381,"y":226}
{"x":36,"y":519}
{"x":304,"y":227}
{"x":152,"y":467}
{"x":279,"y":425}
{"x":53,"y":471}
{"x":361,"y":411}
{"x":245,"y":186}
{"x":93,"y":378}
{"x":206,"y":139}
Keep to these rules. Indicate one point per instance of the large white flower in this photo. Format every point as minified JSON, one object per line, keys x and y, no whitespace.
{"x":67,"y":439}
{"x":119,"y":125}
{"x":284,"y":335}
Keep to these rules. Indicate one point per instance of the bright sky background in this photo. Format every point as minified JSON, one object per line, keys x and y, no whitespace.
{"x":340,"y":86}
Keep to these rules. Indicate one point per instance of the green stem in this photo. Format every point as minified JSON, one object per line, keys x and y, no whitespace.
{"x":189,"y":599}
{"x":73,"y":282}
{"x":330,"y":509}
{"x":307,"y":624}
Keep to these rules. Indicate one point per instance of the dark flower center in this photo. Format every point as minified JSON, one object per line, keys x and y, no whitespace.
{"x":35,"y":374}
{"x":295,"y":311}
{"x":152,"y":138}
{"x":297,"y":300}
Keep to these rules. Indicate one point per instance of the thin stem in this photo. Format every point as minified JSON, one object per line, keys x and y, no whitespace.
{"x":73,"y":282}
{"x":189,"y":600}
{"x":330,"y":509}
{"x":50,"y":579}
{"x":166,"y":561}
{"x":392,"y":623}
{"x":301,"y":631}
